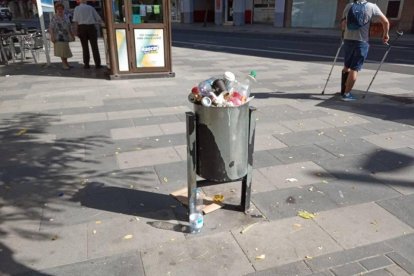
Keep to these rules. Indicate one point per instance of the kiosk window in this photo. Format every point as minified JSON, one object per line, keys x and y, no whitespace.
{"x":118,"y":10}
{"x":147,"y":11}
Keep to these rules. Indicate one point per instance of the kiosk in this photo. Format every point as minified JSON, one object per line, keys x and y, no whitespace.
{"x":137,"y":38}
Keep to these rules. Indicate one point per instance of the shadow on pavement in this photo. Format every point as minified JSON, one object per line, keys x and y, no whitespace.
{"x":396,"y":108}
{"x":139,"y":203}
{"x":377,"y":164}
{"x":40,"y":175}
{"x":54,"y":70}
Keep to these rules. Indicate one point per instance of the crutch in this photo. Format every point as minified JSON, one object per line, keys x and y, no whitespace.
{"x":399,"y":34}
{"x":333,"y":65}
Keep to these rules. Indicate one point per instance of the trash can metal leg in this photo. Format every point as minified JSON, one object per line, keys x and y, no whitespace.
{"x":191,"y":158}
{"x":247,"y":180}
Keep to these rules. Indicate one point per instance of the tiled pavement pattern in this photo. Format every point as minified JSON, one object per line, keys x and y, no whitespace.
{"x":87,"y":166}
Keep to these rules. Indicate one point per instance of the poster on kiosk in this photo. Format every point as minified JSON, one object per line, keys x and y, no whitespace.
{"x":149,"y":47}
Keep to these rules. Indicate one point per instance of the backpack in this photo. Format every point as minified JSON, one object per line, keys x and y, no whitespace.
{"x":357,"y":16}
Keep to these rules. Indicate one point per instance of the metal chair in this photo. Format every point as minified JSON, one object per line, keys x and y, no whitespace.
{"x":33,"y":42}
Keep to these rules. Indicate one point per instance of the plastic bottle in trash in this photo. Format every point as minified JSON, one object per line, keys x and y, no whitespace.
{"x":205,"y":87}
{"x":244,"y":87}
{"x":196,"y":212}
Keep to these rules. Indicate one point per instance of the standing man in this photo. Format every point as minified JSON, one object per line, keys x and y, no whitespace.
{"x":355,"y":25}
{"x":85,"y":18}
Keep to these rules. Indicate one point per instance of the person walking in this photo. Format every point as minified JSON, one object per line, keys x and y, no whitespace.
{"x":60,"y":30}
{"x":355,"y":26}
{"x":85,"y":19}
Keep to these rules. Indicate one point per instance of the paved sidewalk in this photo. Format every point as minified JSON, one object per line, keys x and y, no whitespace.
{"x":87,"y":166}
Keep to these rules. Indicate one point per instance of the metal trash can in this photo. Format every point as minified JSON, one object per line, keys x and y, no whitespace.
{"x":222,"y":139}
{"x":220,"y":145}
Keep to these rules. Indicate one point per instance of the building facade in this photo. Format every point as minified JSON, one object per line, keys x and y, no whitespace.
{"x":280,"y":13}
{"x":288,"y":13}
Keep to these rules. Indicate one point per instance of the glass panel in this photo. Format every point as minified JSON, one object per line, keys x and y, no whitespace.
{"x":308,"y":13}
{"x":118,"y":11}
{"x":121,"y":47}
{"x":147,"y":11}
{"x":393,"y":9}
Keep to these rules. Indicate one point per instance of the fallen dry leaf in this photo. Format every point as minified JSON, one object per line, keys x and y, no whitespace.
{"x":127,"y":237}
{"x":306,"y":215}
{"x":245,"y":229}
{"x":218,"y":198}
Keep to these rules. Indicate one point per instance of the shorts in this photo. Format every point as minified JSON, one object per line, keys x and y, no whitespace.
{"x":355,"y":54}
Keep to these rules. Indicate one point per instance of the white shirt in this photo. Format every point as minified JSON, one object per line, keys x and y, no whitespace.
{"x":86,"y":15}
{"x":362,"y":34}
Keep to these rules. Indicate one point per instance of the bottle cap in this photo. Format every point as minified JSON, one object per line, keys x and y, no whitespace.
{"x":229,"y":76}
{"x":206,"y":101}
{"x":253,"y":73}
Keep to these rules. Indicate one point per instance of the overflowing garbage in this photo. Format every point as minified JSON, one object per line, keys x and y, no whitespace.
{"x":223,"y":91}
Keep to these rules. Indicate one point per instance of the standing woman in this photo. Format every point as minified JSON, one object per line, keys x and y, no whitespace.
{"x":61,"y":34}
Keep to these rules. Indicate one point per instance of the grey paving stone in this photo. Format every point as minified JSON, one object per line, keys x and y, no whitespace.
{"x":389,"y":160}
{"x":396,"y":270}
{"x":390,"y":140}
{"x":296,"y":154}
{"x":33,"y":251}
{"x":172,"y":175}
{"x":401,"y":207}
{"x":219,"y":252}
{"x":376,"y":262}
{"x":266,"y":142}
{"x":348,"y":269}
{"x":344,"y":192}
{"x":304,"y":138}
{"x":402,"y":262}
{"x":381,"y":126}
{"x":285,"y":203}
{"x":67,"y":131}
{"x":348,"y":147}
{"x":346,"y":132}
{"x":361,"y":224}
{"x":297,"y":268}
{"x":404,"y":246}
{"x":147,"y":157}
{"x":153,"y":120}
{"x":263,"y":159}
{"x":283,"y":242}
{"x":127,"y":233}
{"x":282,"y":112}
{"x":104,"y":127}
{"x":342,"y":257}
{"x":350,"y":168}
{"x":306,"y":124}
{"x":122,"y":264}
{"x":295,"y":174}
{"x":380,"y":272}
{"x":94,"y":202}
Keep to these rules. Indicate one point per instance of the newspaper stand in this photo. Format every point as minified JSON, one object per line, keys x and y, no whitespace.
{"x":220,"y":145}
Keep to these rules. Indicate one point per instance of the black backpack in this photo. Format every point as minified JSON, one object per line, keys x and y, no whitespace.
{"x":357,"y":16}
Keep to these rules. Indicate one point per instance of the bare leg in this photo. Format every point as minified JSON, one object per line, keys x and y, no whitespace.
{"x":351,"y":80}
{"x":65,"y":62}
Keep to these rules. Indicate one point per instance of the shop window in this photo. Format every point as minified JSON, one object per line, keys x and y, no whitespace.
{"x":264,"y":3}
{"x":393,"y":8}
{"x":149,"y":11}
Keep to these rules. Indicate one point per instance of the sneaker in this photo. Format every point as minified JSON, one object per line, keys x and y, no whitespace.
{"x":86,"y":66}
{"x":65,"y":67}
{"x":98,"y":66}
{"x":348,"y":97}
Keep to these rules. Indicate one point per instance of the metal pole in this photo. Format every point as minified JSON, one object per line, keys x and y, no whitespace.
{"x":399,"y":34}
{"x":191,"y":159}
{"x":333,"y":65}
